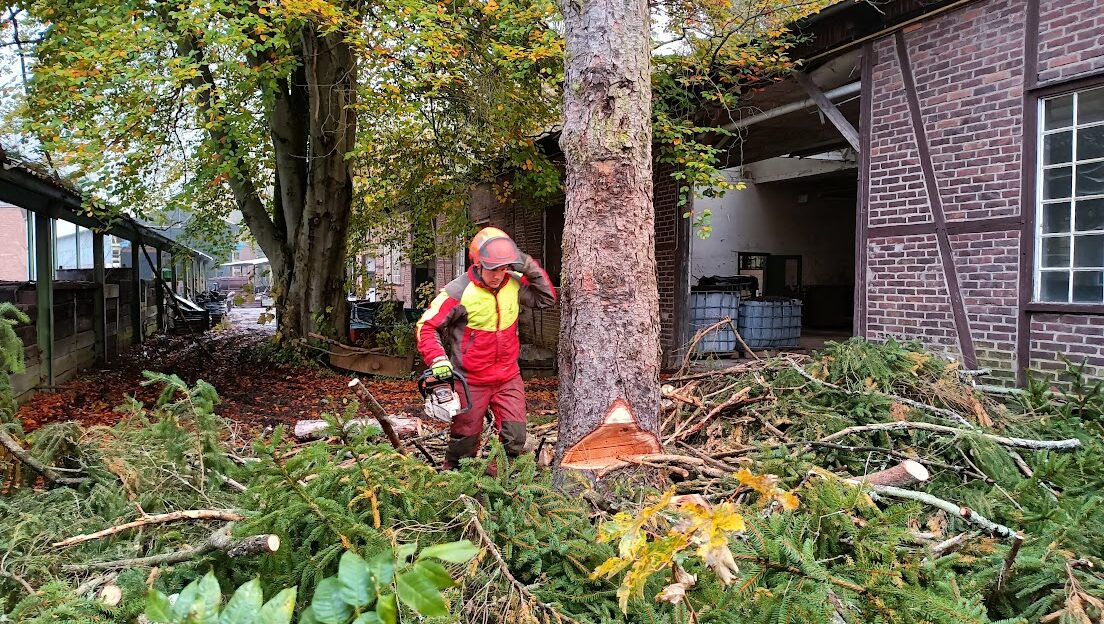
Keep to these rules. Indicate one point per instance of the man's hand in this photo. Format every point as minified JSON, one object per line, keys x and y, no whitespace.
{"x":441,"y":368}
{"x":526,"y":265}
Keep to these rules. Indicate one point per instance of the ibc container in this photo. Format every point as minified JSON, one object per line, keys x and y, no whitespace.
{"x":706,"y":308}
{"x":770,"y":322}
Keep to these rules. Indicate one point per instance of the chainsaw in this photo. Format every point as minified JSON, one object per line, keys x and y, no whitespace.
{"x":441,"y":401}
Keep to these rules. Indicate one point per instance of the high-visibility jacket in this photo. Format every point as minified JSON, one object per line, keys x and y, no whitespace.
{"x":476,"y":327}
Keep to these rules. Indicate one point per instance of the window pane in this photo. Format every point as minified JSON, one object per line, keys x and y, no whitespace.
{"x":1090,"y":142}
{"x":1090,"y":179}
{"x":1058,"y":148}
{"x":1088,"y":286}
{"x":1057,"y":183}
{"x":1090,"y":106}
{"x":1058,"y":112}
{"x":1056,"y":252}
{"x":1088,"y":251}
{"x":1054,"y":286}
{"x":1056,"y":217}
{"x":1090,"y":215}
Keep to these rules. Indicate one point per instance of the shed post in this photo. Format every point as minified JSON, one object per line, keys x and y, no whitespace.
{"x":44,"y":295}
{"x":138,"y":327}
{"x":99,"y":304}
{"x":160,"y":294}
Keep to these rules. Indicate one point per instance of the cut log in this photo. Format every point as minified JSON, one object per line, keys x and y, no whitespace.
{"x":316,"y":429}
{"x":220,"y":540}
{"x":618,"y":438}
{"x":110,"y":595}
{"x":903,"y":474}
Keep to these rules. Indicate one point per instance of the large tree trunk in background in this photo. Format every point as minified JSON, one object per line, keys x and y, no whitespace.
{"x":313,"y":128}
{"x":609,"y":332}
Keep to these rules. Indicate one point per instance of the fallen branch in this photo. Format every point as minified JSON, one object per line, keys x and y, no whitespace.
{"x":379,"y":413}
{"x":903,"y":474}
{"x":190,"y":514}
{"x":220,"y":540}
{"x":48,"y":473}
{"x":1054,"y":445}
{"x":19,"y":579}
{"x":948,"y":546}
{"x":474,"y":509}
{"x":1009,"y":559}
{"x":965,"y":513}
{"x":737,"y":399}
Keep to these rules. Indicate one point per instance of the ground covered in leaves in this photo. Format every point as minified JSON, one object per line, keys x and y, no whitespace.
{"x":257,"y":387}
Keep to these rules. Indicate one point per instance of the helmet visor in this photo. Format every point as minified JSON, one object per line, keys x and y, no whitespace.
{"x":498,"y":252}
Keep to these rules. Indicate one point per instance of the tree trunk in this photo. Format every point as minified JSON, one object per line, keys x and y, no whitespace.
{"x":609,"y":353}
{"x":316,"y":200}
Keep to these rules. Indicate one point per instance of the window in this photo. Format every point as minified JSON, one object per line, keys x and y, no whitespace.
{"x":1070,"y":199}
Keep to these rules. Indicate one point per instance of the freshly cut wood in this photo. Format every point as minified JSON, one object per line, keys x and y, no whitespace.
{"x":253,"y":545}
{"x":110,"y":595}
{"x":618,"y":438}
{"x":188,"y":514}
{"x":316,"y":429}
{"x":903,"y":474}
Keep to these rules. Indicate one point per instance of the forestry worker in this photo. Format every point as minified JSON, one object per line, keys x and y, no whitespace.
{"x":472,"y":327}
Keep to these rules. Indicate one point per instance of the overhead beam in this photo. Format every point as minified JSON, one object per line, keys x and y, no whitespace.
{"x":829,"y":109}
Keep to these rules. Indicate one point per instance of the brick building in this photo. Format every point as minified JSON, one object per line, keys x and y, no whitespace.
{"x":934,"y":172}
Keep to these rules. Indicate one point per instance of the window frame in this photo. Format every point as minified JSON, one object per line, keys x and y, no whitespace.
{"x":1032,"y":215}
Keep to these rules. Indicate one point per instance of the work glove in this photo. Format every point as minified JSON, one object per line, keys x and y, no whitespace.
{"x":526,"y":265}
{"x":441,"y":368}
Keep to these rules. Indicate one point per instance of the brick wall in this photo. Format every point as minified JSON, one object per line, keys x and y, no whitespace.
{"x":968,"y":68}
{"x":897,"y":184}
{"x":1071,"y":39}
{"x":988,"y":275}
{"x":13,"y":236}
{"x":540,"y":328}
{"x":907,"y":294}
{"x":1077,"y":337}
{"x":671,"y":241}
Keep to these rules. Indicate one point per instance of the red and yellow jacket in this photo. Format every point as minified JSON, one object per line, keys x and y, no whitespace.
{"x":476,"y":327}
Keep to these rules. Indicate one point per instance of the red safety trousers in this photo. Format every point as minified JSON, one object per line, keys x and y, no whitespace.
{"x":507,"y":402}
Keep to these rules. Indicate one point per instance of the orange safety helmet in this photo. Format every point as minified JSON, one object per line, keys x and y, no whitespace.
{"x":492,"y":248}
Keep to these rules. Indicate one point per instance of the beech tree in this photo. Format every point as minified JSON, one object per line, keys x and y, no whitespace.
{"x":311,"y":117}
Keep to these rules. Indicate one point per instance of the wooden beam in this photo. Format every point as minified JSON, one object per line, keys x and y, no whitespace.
{"x":99,"y":304}
{"x":160,"y":297}
{"x":950,"y":270}
{"x":44,"y":297}
{"x":136,"y":324}
{"x":1028,"y":184}
{"x":860,"y":312}
{"x":829,"y":109}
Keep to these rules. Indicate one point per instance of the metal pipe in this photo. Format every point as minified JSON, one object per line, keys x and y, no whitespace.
{"x":839,"y":92}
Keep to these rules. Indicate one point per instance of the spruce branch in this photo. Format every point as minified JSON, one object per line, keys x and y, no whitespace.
{"x":220,"y":540}
{"x":189,"y":514}
{"x":1054,"y":445}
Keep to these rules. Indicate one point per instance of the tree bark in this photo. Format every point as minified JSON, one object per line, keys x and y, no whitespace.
{"x":312,"y":127}
{"x":609,"y":353}
{"x":314,"y":284}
